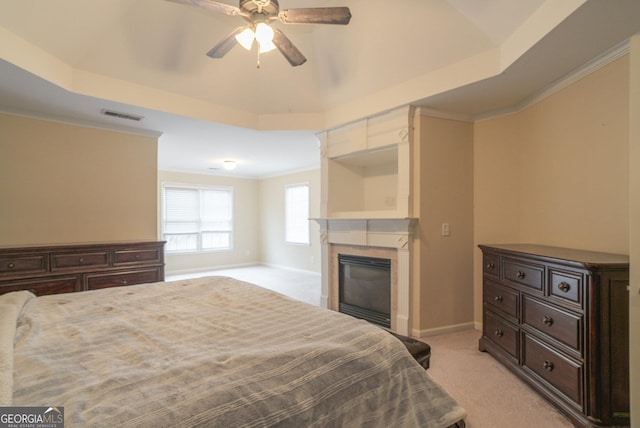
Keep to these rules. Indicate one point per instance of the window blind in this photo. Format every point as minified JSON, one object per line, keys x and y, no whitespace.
{"x":297,"y":214}
{"x":197,"y":218}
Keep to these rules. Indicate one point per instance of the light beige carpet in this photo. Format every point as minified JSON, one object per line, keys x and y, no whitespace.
{"x":492,"y":396}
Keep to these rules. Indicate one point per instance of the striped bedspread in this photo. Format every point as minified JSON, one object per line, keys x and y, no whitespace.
{"x":214,"y":352}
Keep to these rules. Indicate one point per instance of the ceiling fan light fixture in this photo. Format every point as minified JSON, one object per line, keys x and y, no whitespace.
{"x":267,"y":47}
{"x":260,"y":12}
{"x":245,"y":38}
{"x":264,"y":34}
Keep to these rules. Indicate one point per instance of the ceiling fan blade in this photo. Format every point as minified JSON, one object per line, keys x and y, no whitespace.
{"x":215,"y":6}
{"x":222,"y":48}
{"x":290,"y":52}
{"x":316,"y":15}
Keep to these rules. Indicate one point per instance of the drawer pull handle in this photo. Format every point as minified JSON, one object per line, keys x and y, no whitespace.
{"x":491,"y":266}
{"x":11,"y":265}
{"x":499,"y":333}
{"x":548,"y":365}
{"x":81,"y":260}
{"x":563,"y":286}
{"x":521,"y":275}
{"x":548,"y":321}
{"x":498,"y":299}
{"x":124,"y":282}
{"x":137,"y":256}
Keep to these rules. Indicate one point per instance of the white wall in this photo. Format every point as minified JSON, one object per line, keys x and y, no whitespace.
{"x":273,"y":248}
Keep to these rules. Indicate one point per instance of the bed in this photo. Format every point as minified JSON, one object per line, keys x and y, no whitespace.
{"x":211,"y":351}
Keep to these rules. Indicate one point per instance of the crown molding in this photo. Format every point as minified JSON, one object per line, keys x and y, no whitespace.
{"x":461,"y":117}
{"x":590,"y":67}
{"x":568,"y":79}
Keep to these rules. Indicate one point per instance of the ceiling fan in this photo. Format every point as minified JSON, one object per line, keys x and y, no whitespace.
{"x":259,"y":13}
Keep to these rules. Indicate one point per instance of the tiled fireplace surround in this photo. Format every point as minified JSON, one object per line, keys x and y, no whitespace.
{"x":383,"y":238}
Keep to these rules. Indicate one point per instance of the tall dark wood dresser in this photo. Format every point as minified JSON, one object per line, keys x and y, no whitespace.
{"x":559,"y":319}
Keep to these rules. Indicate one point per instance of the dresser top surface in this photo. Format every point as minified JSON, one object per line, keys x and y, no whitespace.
{"x":79,"y":245}
{"x":585,"y":257}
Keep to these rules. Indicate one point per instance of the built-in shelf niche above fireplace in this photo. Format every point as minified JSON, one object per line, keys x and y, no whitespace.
{"x":364,"y":183}
{"x":366,"y":203}
{"x":366,"y":168}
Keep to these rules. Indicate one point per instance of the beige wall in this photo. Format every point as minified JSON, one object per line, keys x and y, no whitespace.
{"x":443,"y":188}
{"x":62,"y":183}
{"x":557,"y":173}
{"x":273,"y":248}
{"x":575,"y":174}
{"x":245,"y":224}
{"x":634,"y":228}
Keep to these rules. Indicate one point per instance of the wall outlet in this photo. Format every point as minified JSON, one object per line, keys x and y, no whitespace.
{"x":446,"y":230}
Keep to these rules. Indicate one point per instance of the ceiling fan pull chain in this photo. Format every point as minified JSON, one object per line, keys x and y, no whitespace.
{"x":258,"y":63}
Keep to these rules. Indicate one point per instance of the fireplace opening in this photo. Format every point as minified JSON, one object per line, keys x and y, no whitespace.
{"x":365,"y":288}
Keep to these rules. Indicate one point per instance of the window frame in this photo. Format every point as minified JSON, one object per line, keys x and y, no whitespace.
{"x":286,"y":211}
{"x":199,"y":234}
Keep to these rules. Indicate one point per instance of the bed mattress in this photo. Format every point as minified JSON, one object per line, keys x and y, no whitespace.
{"x":209,"y":352}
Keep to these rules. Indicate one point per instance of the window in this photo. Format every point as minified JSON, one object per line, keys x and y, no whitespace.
{"x":297,"y":214}
{"x":197,"y":218}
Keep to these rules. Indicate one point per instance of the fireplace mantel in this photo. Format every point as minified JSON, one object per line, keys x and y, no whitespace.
{"x":378,"y":232}
{"x":370,"y":234}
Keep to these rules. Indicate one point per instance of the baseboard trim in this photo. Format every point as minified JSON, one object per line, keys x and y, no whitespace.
{"x":290,"y":268}
{"x":443,"y":330}
{"x":209,"y":269}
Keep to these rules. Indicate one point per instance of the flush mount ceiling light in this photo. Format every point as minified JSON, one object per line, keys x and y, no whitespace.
{"x":229,"y":165}
{"x":259,"y":13}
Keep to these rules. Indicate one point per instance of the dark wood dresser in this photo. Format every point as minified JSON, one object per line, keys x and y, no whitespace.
{"x":69,"y":268}
{"x":559,"y":319}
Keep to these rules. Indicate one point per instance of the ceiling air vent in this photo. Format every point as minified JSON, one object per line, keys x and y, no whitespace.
{"x":121,"y":115}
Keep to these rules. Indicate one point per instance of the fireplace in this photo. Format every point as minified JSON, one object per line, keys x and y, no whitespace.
{"x":378,"y":238}
{"x":365,"y":288}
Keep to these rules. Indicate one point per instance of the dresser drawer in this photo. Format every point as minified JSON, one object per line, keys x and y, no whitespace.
{"x":564,"y":374}
{"x":94,"y":259}
{"x":118,"y":279}
{"x":561,"y":325}
{"x":501,"y":298}
{"x":40,"y":287}
{"x":491,"y":264}
{"x":132,"y":256}
{"x":20,"y":264}
{"x":501,"y":333}
{"x":524,"y":274}
{"x":566,"y":285}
